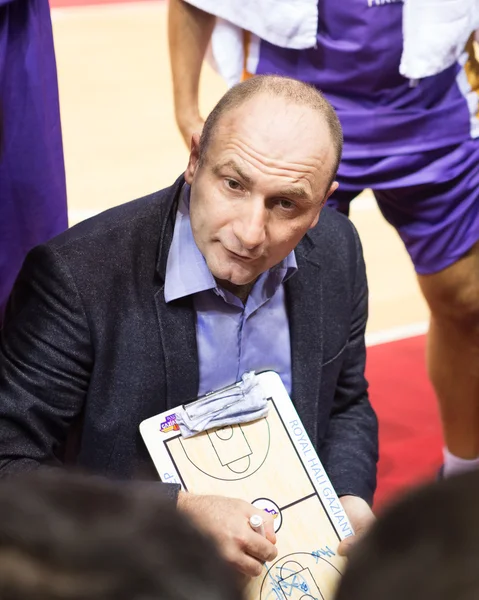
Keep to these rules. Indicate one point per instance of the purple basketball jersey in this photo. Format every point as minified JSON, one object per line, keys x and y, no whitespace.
{"x":356,"y":66}
{"x":33,"y":204}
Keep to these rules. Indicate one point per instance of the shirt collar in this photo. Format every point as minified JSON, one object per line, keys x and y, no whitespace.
{"x":186,"y":269}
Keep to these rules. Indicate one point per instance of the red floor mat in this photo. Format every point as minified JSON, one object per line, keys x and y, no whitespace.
{"x":409,"y":428}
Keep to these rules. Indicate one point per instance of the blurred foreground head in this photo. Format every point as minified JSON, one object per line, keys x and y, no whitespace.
{"x":73,"y":538}
{"x":424,"y":548}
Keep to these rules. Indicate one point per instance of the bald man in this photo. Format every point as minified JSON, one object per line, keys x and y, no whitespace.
{"x":158,"y":301}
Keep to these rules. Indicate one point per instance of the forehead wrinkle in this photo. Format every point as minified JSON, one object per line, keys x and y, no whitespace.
{"x":273,"y":165}
{"x":277,"y":163}
{"x":293,"y":175}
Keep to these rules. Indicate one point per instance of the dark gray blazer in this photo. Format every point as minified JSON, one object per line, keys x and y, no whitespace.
{"x":90,"y":349}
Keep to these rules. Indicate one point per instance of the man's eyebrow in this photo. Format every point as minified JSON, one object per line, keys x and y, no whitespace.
{"x":232,"y":165}
{"x":296,"y":192}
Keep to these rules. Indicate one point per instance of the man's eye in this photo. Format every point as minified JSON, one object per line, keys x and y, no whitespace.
{"x":286,"y":204}
{"x":232,"y":184}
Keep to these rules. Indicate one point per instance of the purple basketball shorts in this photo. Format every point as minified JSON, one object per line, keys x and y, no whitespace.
{"x":431,"y":198}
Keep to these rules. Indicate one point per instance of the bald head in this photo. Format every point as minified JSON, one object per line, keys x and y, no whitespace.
{"x":292,"y":92}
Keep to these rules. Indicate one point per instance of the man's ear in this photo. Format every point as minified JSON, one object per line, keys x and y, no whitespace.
{"x":193,"y":161}
{"x":334,"y":186}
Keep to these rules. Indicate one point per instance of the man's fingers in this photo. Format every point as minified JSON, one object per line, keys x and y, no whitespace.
{"x":269,"y":529}
{"x":248,"y":565}
{"x":270,"y":536}
{"x":256,"y":550}
{"x":259,"y":547}
{"x":227,"y":520}
{"x":346,"y":545}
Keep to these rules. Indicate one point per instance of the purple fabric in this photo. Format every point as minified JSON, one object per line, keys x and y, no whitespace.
{"x":356,"y":66}
{"x":231,"y":337}
{"x":432,"y":199}
{"x":32,"y":176}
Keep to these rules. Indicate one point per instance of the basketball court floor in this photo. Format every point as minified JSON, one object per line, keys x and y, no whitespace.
{"x":121,"y":142}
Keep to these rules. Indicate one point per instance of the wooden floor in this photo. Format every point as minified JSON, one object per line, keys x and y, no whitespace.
{"x":121,"y":141}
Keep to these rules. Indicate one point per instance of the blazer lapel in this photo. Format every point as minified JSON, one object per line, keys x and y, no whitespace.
{"x":176,"y":319}
{"x":178,"y":337}
{"x":304,"y":302}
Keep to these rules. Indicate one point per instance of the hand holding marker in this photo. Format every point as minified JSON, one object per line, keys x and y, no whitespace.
{"x":257,"y":524}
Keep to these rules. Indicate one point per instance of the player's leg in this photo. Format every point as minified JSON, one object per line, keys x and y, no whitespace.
{"x":439,"y":223}
{"x":453,"y":349}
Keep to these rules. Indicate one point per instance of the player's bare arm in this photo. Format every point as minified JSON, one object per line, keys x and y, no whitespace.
{"x":227,"y":521}
{"x":361,"y":516}
{"x":189,"y":32}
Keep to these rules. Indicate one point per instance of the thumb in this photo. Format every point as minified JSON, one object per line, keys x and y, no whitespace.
{"x":269,"y":528}
{"x":346,"y":545}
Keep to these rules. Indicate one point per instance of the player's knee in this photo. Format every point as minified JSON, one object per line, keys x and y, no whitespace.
{"x":457,"y":305}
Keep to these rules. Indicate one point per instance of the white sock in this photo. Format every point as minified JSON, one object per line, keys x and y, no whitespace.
{"x":453,"y":465}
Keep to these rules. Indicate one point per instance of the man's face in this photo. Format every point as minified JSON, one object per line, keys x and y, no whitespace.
{"x":260,"y":187}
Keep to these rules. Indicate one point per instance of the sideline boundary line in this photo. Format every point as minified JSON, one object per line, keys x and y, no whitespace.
{"x":403,"y":332}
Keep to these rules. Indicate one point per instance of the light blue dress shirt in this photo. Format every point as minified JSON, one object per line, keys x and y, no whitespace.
{"x":231,"y":337}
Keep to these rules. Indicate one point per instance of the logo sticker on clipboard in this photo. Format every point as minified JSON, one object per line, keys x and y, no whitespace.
{"x":169,"y":424}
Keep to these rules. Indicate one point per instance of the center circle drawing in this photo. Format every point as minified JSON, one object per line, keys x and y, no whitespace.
{"x":232,"y":452}
{"x":272,"y":509}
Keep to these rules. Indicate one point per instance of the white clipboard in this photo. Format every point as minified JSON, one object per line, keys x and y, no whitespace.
{"x":271,"y":463}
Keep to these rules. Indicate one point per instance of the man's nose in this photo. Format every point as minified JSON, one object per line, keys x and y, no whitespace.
{"x":250,"y":228}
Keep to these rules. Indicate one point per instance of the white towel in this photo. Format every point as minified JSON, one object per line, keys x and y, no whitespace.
{"x":226,"y":51}
{"x":285,"y":23}
{"x":242,"y":402}
{"x":435,"y":34}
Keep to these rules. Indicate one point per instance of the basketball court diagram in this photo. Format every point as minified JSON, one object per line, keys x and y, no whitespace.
{"x":287,"y":577}
{"x":237,"y":457}
{"x":271,"y":464}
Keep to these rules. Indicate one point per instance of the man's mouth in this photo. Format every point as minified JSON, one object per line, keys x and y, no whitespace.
{"x":241,"y":257}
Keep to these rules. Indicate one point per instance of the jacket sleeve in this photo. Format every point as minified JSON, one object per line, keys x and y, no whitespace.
{"x":350,"y":450}
{"x":45,"y":363}
{"x":46,"y":357}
